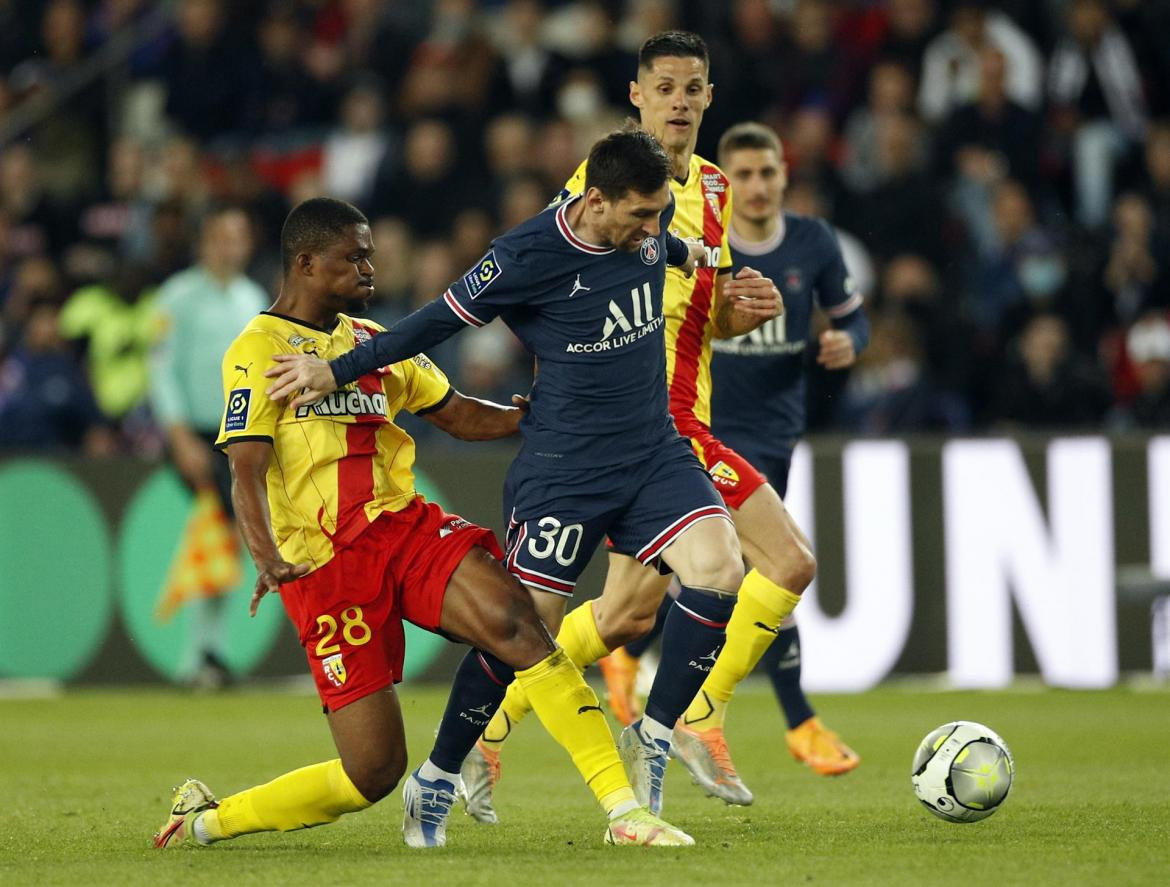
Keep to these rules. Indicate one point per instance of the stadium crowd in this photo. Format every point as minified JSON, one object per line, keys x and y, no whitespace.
{"x":998,"y":174}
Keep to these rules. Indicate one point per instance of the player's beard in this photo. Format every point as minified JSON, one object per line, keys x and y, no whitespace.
{"x":357,"y":304}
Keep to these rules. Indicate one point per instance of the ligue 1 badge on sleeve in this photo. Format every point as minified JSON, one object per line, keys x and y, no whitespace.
{"x":649,"y":250}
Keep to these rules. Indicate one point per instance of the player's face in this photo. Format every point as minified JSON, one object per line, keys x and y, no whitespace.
{"x":347,"y":270}
{"x":671,"y":97}
{"x":758,"y":179}
{"x":625,"y":223}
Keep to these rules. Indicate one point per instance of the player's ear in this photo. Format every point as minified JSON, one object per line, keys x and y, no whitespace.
{"x":710,"y":95}
{"x":594,"y":199}
{"x":304,"y":264}
{"x":635,"y":94}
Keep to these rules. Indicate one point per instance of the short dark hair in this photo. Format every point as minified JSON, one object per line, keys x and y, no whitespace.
{"x":745,"y":136}
{"x":627,"y":160}
{"x":314,"y":224}
{"x":673,"y":44}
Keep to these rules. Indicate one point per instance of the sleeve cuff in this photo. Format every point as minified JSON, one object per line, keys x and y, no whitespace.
{"x":437,"y":405}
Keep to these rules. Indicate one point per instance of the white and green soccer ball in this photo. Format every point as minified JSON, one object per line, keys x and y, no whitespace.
{"x":962,"y":771}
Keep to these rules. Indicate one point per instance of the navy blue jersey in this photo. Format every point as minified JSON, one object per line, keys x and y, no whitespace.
{"x":592,"y":316}
{"x":758,"y":379}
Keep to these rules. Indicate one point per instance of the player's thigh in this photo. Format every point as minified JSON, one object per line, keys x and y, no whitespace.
{"x":370,"y":740}
{"x":630,"y":596}
{"x":488,"y":608}
{"x":772,"y":541}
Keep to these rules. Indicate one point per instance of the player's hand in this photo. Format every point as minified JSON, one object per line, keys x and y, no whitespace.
{"x":748,"y":300}
{"x":306,"y":373}
{"x":521,"y":402}
{"x":696,"y":258}
{"x":837,"y":350}
{"x":271,"y":575}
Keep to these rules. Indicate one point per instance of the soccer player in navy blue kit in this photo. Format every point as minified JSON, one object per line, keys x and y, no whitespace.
{"x":581,"y":286}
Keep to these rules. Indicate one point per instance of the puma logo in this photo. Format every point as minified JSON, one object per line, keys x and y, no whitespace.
{"x":585,"y":708}
{"x":775,"y":631}
{"x":244,"y":370}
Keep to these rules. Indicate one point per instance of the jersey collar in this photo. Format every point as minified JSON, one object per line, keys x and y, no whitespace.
{"x":567,"y":232}
{"x":756,"y":248}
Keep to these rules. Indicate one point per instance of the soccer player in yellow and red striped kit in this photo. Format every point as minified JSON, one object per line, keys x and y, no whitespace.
{"x":326,"y":503}
{"x":671,"y":93}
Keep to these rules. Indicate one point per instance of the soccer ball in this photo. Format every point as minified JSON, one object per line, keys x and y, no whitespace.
{"x":962,"y":771}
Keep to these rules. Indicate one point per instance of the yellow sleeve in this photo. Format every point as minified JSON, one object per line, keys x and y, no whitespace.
{"x":724,"y":246}
{"x":426,"y":385}
{"x":249,"y":413}
{"x":573,"y":187}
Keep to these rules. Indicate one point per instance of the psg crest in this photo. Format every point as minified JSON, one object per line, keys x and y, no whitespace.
{"x":649,"y":250}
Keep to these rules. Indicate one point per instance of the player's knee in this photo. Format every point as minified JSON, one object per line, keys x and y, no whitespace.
{"x":375,"y":779}
{"x":798,"y":569}
{"x":625,"y":629}
{"x":716,"y":570}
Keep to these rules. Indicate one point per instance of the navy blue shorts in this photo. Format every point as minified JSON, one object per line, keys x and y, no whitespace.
{"x":556,"y":519}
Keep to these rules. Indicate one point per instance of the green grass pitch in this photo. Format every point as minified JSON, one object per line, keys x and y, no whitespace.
{"x":85,"y":781}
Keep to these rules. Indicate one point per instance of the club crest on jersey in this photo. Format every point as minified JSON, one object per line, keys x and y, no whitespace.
{"x":793,"y":279}
{"x":722,"y":473}
{"x":236,"y":417}
{"x":481,"y":276}
{"x":361,"y":335}
{"x":296,"y":340}
{"x":649,"y":251}
{"x":334,"y":669}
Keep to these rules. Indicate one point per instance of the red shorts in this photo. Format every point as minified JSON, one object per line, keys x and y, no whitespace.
{"x":348,"y":614}
{"x":734,"y":476}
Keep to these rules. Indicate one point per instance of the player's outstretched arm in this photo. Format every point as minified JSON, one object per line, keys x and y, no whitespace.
{"x":249,"y":462}
{"x":428,"y":326}
{"x":744,"y":302}
{"x":469,"y":418}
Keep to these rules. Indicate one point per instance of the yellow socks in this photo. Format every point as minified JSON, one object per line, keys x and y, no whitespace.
{"x":583,"y":645}
{"x":569,"y":710}
{"x":761,"y":607}
{"x":306,"y":797}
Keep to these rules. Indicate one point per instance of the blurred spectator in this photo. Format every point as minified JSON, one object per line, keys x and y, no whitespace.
{"x":1132,"y":276}
{"x":951,"y":69}
{"x":1156,"y":181}
{"x":891,"y":93}
{"x":429,"y":187}
{"x":283,"y":93}
{"x":524,"y":196}
{"x":983,"y":142}
{"x":890,"y":390}
{"x":36,"y":224}
{"x":450,"y":70}
{"x":45,"y":402}
{"x":1147,"y":347}
{"x":527,"y":73}
{"x":1020,"y":266}
{"x":356,"y":149}
{"x":1046,"y":384}
{"x":205,"y":71}
{"x":810,"y":69}
{"x":902,"y":212}
{"x":1096,"y":91}
{"x":910,"y":26}
{"x":115,"y":322}
{"x":119,"y":209}
{"x":393,"y":252}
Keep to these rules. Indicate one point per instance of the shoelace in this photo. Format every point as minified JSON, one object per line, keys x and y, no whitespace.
{"x":430,"y":799}
{"x":722,"y":757}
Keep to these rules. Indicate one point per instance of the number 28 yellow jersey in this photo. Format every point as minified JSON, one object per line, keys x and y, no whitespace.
{"x":340,"y":462}
{"x":702,"y":210}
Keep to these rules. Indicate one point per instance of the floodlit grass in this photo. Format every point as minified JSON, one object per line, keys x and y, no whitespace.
{"x":85,"y":781}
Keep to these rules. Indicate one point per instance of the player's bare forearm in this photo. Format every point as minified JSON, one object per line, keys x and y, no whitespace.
{"x":743,"y":303}
{"x":249,"y":462}
{"x":469,"y":418}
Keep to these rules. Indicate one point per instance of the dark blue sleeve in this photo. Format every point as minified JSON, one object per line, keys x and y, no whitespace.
{"x":494,"y":283}
{"x":837,"y":292}
{"x":677,"y":251}
{"x":415,"y":333}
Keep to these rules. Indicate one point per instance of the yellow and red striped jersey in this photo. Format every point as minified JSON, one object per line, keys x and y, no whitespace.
{"x":340,"y":462}
{"x":702,"y":210}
